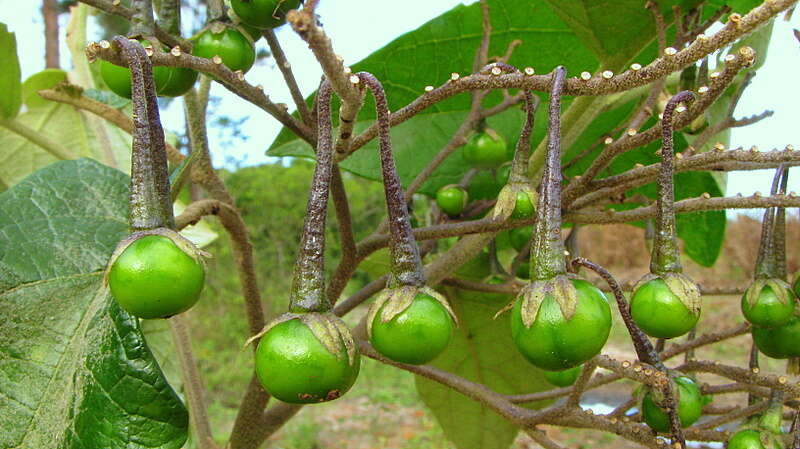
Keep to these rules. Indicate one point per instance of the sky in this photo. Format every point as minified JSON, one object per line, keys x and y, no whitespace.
{"x":357,"y":31}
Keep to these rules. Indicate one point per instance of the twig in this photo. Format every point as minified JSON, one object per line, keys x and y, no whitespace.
{"x":347,"y":264}
{"x":288,"y":76}
{"x":112,"y":7}
{"x":198,"y":413}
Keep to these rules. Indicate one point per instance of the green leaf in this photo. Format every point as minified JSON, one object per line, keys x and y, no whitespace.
{"x":481,"y":351}
{"x":10,"y":76}
{"x":63,"y":124}
{"x":77,"y":373}
{"x":45,"y":79}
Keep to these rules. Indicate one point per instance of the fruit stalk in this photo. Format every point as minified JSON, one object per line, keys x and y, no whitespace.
{"x":766,"y":260}
{"x":150,"y":204}
{"x":308,"y":285}
{"x":547,"y":249}
{"x":406,"y":261}
{"x":779,"y":233}
{"x":666,"y":256}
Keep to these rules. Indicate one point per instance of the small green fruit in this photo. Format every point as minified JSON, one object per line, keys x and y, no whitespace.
{"x":659,"y":312}
{"x":524,"y":207}
{"x":235,"y":50}
{"x":263,"y":14}
{"x":563,"y":378}
{"x":485,"y":150}
{"x":452,"y":199}
{"x":690,"y":406}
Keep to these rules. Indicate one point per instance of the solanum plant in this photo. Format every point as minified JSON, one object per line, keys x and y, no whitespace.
{"x":612,"y":109}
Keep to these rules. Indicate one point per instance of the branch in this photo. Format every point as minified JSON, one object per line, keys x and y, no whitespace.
{"x":102,"y":110}
{"x":286,"y":70}
{"x":113,"y":7}
{"x":598,"y":85}
{"x":702,"y":203}
{"x":233,"y":81}
{"x":743,"y":375}
{"x":198,"y":413}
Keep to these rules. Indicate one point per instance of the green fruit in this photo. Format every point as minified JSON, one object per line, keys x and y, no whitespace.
{"x":118,"y":79}
{"x":659,"y":312}
{"x":503,"y":173}
{"x":235,"y":50}
{"x":416,"y":335}
{"x":563,"y":378}
{"x":524,"y":270}
{"x":690,"y":406}
{"x":780,"y":342}
{"x":154,"y":278}
{"x":796,"y":286}
{"x":485,"y":151}
{"x":263,"y":14}
{"x":295,"y":367}
{"x":520,"y":237}
{"x":745,"y":439}
{"x":180,"y":81}
{"x":452,"y":200}
{"x":768,"y":310}
{"x":524,"y":207}
{"x":554,"y":343}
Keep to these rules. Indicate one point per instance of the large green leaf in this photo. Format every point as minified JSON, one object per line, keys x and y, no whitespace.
{"x":77,"y":373}
{"x":63,"y":124}
{"x":481,"y":351}
{"x":11,"y":98}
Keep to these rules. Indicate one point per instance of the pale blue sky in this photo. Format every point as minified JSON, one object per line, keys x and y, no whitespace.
{"x":357,"y":31}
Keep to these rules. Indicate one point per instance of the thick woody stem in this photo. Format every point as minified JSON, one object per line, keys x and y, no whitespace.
{"x":150,"y":205}
{"x":308,"y":285}
{"x":547,"y":249}
{"x":666,"y":255}
{"x":765,"y":261}
{"x":142,"y":21}
{"x":406,"y":261}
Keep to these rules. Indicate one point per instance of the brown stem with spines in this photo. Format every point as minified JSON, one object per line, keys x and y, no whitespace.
{"x":406,"y":261}
{"x":547,"y":249}
{"x":666,"y":255}
{"x":150,"y":204}
{"x":308,"y":285}
{"x":142,"y":23}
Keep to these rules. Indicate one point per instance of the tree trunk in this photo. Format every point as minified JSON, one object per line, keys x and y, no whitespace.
{"x":50,"y":14}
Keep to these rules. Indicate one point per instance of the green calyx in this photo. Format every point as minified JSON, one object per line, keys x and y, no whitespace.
{"x":516,"y":200}
{"x":768,"y":302}
{"x":328,"y":329}
{"x":391,"y":302}
{"x":532,"y":295}
{"x":666,"y":306}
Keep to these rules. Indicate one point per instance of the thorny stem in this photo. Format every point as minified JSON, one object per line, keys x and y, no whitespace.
{"x":765,"y":261}
{"x":308,"y":285}
{"x":406,"y":261}
{"x":547,"y":249}
{"x":666,"y":255}
{"x":142,"y":21}
{"x":150,"y":204}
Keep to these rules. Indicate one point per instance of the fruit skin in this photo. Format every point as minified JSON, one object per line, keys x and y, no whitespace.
{"x":484,"y":151}
{"x":180,"y":81}
{"x":690,"y":406}
{"x":452,"y":199}
{"x":520,"y":237}
{"x":563,"y":378}
{"x":263,"y":14}
{"x":230,"y":44}
{"x":659,"y":312}
{"x":524,"y":207}
{"x":781,"y":342}
{"x":769,"y":310}
{"x":416,"y":335}
{"x":554,"y":343}
{"x":295,"y":367}
{"x":745,"y":439}
{"x":154,"y":278}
